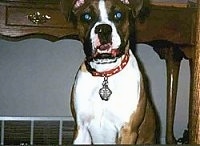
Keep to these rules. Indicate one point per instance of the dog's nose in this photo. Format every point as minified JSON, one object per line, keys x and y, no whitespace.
{"x":104,"y":32}
{"x":103,"y":29}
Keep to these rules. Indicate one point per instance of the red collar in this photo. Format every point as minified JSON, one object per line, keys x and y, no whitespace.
{"x":109,"y":72}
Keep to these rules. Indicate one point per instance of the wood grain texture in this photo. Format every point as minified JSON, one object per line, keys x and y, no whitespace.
{"x":194,"y":119}
{"x":161,"y":22}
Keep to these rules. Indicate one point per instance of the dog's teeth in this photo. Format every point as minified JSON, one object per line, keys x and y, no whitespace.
{"x":104,"y":51}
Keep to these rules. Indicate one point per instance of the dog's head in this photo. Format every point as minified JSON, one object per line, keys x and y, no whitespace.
{"x":103,"y":26}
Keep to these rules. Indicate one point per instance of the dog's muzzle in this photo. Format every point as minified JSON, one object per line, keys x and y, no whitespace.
{"x":103,"y":47}
{"x":104,"y":32}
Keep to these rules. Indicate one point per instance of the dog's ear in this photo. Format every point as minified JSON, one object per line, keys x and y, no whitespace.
{"x":134,"y":5}
{"x":66,"y":8}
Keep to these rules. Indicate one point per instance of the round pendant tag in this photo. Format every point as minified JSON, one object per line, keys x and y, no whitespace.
{"x":105,"y":92}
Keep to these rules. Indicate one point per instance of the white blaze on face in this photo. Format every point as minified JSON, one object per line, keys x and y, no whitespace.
{"x":103,"y":11}
{"x":103,"y":19}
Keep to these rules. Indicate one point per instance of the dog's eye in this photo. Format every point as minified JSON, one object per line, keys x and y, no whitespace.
{"x":118,"y":15}
{"x":86,"y":17}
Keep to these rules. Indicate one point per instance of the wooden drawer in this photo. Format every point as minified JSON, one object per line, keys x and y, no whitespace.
{"x":16,"y":22}
{"x":43,"y":17}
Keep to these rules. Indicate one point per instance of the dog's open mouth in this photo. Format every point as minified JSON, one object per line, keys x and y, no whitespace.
{"x":105,"y":58}
{"x":105,"y":54}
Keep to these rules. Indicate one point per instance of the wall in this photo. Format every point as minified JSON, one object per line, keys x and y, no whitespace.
{"x":36,"y":77}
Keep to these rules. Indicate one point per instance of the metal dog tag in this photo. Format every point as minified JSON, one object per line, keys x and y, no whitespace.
{"x":105,"y":91}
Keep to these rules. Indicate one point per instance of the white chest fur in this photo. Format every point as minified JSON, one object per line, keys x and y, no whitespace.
{"x":103,"y":119}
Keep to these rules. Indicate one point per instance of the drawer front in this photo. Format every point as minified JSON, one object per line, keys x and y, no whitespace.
{"x":21,"y":16}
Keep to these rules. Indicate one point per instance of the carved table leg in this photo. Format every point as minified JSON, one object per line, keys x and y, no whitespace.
{"x":173,"y":67}
{"x":173,"y":56}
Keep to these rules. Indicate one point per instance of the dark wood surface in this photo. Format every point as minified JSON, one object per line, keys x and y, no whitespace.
{"x":194,"y":112}
{"x":174,"y":24}
{"x":14,"y":22}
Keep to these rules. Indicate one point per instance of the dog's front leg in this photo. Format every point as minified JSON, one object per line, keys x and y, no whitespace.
{"x":82,"y":135}
{"x":127,"y":135}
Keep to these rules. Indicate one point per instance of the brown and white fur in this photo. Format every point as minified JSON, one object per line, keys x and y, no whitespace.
{"x":104,"y":28}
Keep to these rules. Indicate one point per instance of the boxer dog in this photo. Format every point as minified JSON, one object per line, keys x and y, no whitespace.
{"x":109,"y":102}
